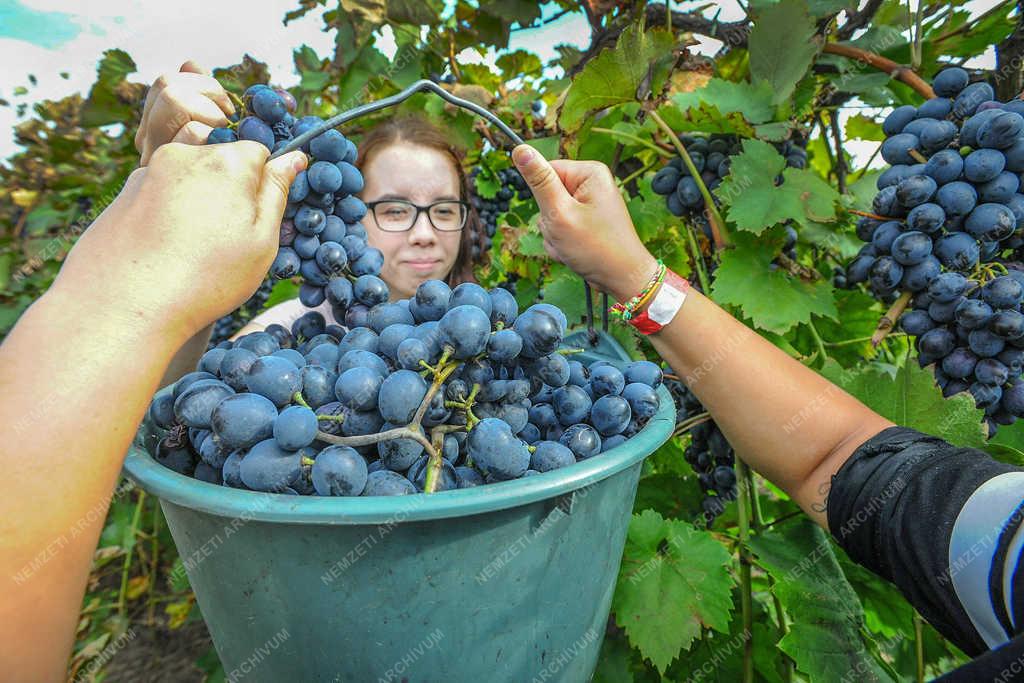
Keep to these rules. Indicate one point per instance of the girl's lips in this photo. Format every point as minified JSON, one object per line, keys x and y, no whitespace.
{"x":422,"y":264}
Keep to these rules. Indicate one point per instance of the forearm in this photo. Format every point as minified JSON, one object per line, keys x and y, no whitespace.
{"x":187,"y":357}
{"x":786,"y":421}
{"x":74,"y":385}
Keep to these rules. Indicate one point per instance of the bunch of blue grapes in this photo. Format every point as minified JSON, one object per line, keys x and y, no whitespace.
{"x":711,"y":156}
{"x":323,"y":410}
{"x":227,"y":325}
{"x":322,"y":239}
{"x":948,"y":224}
{"x":513,"y":185}
{"x":709,"y":453}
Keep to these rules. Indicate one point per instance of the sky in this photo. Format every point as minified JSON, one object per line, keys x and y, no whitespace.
{"x":47,"y":37}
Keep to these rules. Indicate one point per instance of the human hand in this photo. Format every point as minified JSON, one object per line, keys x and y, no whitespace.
{"x":181,"y":107}
{"x":189,"y":238}
{"x":585,"y":223}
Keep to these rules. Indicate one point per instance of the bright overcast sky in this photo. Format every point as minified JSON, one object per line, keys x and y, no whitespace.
{"x":46,"y":37}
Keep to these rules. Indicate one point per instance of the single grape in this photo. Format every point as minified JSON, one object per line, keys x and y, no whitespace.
{"x":582,"y":439}
{"x":266,"y":467}
{"x":195,"y":405}
{"x":496,"y":451}
{"x":275,"y":378}
{"x":339,"y":471}
{"x":295,"y":428}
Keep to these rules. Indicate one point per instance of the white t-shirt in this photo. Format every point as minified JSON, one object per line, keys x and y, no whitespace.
{"x":286,"y":313}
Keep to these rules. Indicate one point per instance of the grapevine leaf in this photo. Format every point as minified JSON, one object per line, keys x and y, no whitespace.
{"x":106,"y":103}
{"x":615,"y":75}
{"x":782,"y":63}
{"x":518,"y":64}
{"x":548,"y":147}
{"x":825,"y":637}
{"x":673,"y":583}
{"x":705,"y":118}
{"x":531,"y":244}
{"x":771,"y":299}
{"x":565,"y":290}
{"x":1008,"y":444}
{"x":753,"y":101}
{"x":649,"y":213}
{"x":415,"y":11}
{"x":776,"y":132}
{"x":864,"y":128}
{"x":912,"y":399}
{"x":670,"y":495}
{"x":756,"y":202}
{"x":886,"y":612}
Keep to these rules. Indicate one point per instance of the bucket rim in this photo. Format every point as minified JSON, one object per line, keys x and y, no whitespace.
{"x":224,"y":501}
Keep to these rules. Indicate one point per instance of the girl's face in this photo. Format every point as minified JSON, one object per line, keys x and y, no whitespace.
{"x":421,"y":175}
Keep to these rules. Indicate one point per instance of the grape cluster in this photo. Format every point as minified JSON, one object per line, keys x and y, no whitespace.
{"x":322,"y":238}
{"x":711,"y":156}
{"x":512,"y":185}
{"x":709,"y":453}
{"x":457,"y":372}
{"x":947,"y":217}
{"x":234,"y":321}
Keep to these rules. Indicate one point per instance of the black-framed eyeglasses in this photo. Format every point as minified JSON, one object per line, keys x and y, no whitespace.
{"x":399,"y":215}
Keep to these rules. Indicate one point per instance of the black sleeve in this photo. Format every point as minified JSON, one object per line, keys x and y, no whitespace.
{"x":942,"y":523}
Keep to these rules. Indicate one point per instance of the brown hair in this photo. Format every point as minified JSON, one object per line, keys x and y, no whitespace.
{"x":419,"y":131}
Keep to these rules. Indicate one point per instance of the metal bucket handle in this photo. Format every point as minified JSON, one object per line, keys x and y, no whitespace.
{"x":423,"y":85}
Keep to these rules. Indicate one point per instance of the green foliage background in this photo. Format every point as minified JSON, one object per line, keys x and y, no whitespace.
{"x":691,"y":603}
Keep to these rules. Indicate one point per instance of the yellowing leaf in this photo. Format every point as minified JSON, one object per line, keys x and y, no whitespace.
{"x":24,"y":198}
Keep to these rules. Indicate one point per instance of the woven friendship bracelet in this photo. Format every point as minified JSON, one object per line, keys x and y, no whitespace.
{"x":628,"y":309}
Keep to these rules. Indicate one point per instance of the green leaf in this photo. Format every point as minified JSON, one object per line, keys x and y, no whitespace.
{"x":417,"y":12}
{"x":825,"y":637}
{"x":864,"y":128}
{"x":782,"y":62}
{"x":912,"y":399}
{"x":886,"y":612}
{"x":673,"y":583}
{"x":755,"y":202}
{"x":518,"y":64}
{"x":548,"y":147}
{"x":531,"y":244}
{"x":772,"y":299}
{"x":1008,"y":444}
{"x":565,"y":290}
{"x":649,"y":213}
{"x":753,"y":101}
{"x":615,"y":75}
{"x":105,"y":103}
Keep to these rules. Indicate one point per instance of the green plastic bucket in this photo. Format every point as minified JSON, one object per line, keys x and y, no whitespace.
{"x":505,"y":582}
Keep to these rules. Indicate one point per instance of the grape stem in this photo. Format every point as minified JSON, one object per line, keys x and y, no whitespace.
{"x":886,"y":322}
{"x":633,"y":138}
{"x":298,"y":398}
{"x":868,"y":214}
{"x":718,"y":232}
{"x":698,"y":261}
{"x":797,"y":269}
{"x":690,"y":422}
{"x":746,"y":587}
{"x":894,"y":69}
